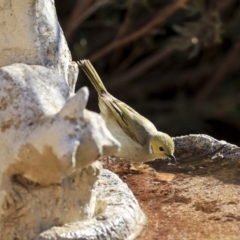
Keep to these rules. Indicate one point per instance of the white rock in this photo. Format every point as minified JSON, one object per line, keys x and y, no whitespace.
{"x":49,"y":142}
{"x":30,"y":33}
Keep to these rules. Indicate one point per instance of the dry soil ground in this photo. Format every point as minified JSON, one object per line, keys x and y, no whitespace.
{"x":196,"y":200}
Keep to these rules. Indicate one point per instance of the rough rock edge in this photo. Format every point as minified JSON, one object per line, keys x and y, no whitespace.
{"x":190,"y":146}
{"x":115,"y":214}
{"x":118,"y":215}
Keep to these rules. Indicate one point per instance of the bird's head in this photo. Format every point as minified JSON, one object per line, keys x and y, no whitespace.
{"x":161,"y":145}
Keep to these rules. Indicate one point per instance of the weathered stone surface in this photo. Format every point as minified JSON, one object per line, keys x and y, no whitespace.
{"x":30,"y":33}
{"x":201,"y":145}
{"x":49,"y":141}
{"x":117,"y":215}
{"x":195,"y":199}
{"x":30,"y":208}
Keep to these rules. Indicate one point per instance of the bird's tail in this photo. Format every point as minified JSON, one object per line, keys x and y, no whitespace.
{"x":93,"y":76}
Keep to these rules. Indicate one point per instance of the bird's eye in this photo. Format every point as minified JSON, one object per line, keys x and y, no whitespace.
{"x":161,"y":149}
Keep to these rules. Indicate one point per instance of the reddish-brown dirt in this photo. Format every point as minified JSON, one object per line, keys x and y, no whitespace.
{"x":188,"y":201}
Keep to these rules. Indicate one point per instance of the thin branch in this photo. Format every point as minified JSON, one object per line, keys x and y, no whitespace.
{"x":128,"y":60}
{"x":80,"y":13}
{"x":191,"y":76}
{"x":226,"y":67}
{"x":171,"y":79}
{"x":126,"y":22}
{"x":160,"y":18}
{"x":140,"y":68}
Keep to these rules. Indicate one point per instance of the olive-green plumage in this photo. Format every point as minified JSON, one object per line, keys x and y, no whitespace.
{"x":139,"y":138}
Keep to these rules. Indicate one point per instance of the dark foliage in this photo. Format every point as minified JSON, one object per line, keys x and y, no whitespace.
{"x":176,"y":62}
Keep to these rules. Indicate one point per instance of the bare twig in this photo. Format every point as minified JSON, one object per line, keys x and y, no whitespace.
{"x":219,"y":75}
{"x":140,"y":68}
{"x":191,"y":76}
{"x":160,"y":18}
{"x":126,"y":22}
{"x":80,"y":13}
{"x":124,"y":65}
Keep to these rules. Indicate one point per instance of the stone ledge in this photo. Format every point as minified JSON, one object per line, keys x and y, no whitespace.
{"x":117,"y":214}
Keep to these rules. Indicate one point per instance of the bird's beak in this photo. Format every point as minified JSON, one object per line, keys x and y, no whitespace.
{"x":171,"y":156}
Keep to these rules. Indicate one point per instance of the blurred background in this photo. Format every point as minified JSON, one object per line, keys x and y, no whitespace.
{"x":177,"y":62}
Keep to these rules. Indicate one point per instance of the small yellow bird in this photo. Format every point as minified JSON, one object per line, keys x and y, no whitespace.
{"x":139,"y":138}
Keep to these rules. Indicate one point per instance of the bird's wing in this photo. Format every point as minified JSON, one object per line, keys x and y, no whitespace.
{"x":131,"y":122}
